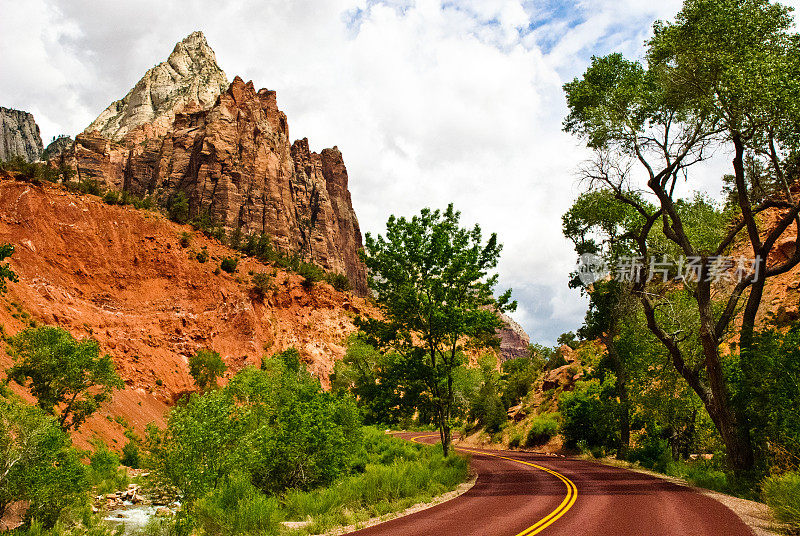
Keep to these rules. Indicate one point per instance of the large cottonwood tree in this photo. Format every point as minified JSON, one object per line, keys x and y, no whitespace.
{"x":722,"y":77}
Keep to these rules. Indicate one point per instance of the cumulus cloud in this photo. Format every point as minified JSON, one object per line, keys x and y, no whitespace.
{"x":430,"y":101}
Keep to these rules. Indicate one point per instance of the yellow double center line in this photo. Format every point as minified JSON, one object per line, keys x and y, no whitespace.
{"x":552,"y":517}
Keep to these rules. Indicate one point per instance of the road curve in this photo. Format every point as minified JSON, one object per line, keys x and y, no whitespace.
{"x":522,"y":494}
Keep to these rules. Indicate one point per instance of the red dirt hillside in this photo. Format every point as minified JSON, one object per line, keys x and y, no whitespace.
{"x":120,"y":275}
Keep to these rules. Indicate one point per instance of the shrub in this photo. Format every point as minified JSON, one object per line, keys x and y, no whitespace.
{"x":229,"y":264}
{"x":202,"y":257}
{"x":515,"y":441}
{"x":276,"y":425}
{"x":112,"y":197}
{"x":131,"y":457}
{"x":782,"y":494}
{"x":205,"y":367}
{"x":338,"y":281}
{"x":47,"y":471}
{"x":653,"y":453}
{"x":262,"y":285}
{"x":237,"y":507}
{"x":311,"y":273}
{"x":543,"y":428}
{"x":85,"y":186}
{"x":590,"y":414}
{"x":186,"y":239}
{"x":178,"y":207}
{"x":104,"y":470}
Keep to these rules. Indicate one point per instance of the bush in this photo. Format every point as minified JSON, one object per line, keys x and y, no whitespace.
{"x":69,"y":378}
{"x":205,"y":367}
{"x":311,"y":273}
{"x":262,"y":285}
{"x":202,"y":257}
{"x":543,"y":429}
{"x":338,"y":281}
{"x":276,"y":425}
{"x":237,"y":507}
{"x":47,"y":471}
{"x":186,"y":239}
{"x":653,"y":453}
{"x":229,"y":264}
{"x":112,"y":197}
{"x":178,"y":207}
{"x":515,"y":441}
{"x":590,"y":415}
{"x":104,"y":470}
{"x":85,"y":186}
{"x":131,"y":457}
{"x":782,"y":494}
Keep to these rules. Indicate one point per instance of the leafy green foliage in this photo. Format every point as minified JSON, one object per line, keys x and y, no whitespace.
{"x":766,"y":380}
{"x":37,"y":463}
{"x":205,"y":367}
{"x":393,"y":475}
{"x":35,"y":172}
{"x":69,"y":378}
{"x":542,"y":429}
{"x":519,"y":375}
{"x":782,"y":494}
{"x":486,"y":406}
{"x":104,"y":470}
{"x":276,"y":425}
{"x":263,"y":285}
{"x":237,"y":507}
{"x":385,"y":385}
{"x":6,"y":273}
{"x":131,"y":455}
{"x":432,"y":281}
{"x":178,"y":207}
{"x":338,"y":281}
{"x":229,"y":264}
{"x":589,"y":415}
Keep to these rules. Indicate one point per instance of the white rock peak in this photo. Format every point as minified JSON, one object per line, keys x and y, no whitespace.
{"x":190,"y":76}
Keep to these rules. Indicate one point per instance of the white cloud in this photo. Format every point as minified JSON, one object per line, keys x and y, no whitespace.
{"x":431,"y":101}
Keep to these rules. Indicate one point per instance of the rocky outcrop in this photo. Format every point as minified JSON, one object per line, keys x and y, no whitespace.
{"x":233,"y":161}
{"x":189,"y":77}
{"x":514,"y":342}
{"x":19,"y":135}
{"x":56,"y":147}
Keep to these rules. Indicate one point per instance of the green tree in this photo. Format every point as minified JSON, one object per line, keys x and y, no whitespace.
{"x":276,"y":425}
{"x":6,"y":274}
{"x":37,"y":463}
{"x":432,"y":281}
{"x":205,"y":367}
{"x":386,"y":386}
{"x":69,"y":378}
{"x":704,"y":87}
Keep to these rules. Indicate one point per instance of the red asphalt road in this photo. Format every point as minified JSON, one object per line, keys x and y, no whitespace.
{"x":510,"y":497}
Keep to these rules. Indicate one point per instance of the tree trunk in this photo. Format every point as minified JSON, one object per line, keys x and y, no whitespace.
{"x":735,"y":435}
{"x":621,"y":386}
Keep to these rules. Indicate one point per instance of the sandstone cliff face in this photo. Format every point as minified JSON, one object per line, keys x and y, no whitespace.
{"x":19,"y":135}
{"x":121,"y":276}
{"x":234,"y":162}
{"x":514,"y":341}
{"x":190,"y":76}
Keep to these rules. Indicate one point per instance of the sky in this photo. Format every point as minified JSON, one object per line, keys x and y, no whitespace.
{"x":430,"y":101}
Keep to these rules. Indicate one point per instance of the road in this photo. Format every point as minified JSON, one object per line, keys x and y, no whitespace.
{"x":522,"y":494}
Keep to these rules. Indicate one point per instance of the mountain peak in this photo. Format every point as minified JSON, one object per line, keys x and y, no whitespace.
{"x":189,"y":76}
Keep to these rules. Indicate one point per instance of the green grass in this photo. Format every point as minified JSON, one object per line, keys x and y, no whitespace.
{"x":389,"y":475}
{"x":396,"y":474}
{"x":782,"y":494}
{"x":543,"y":428}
